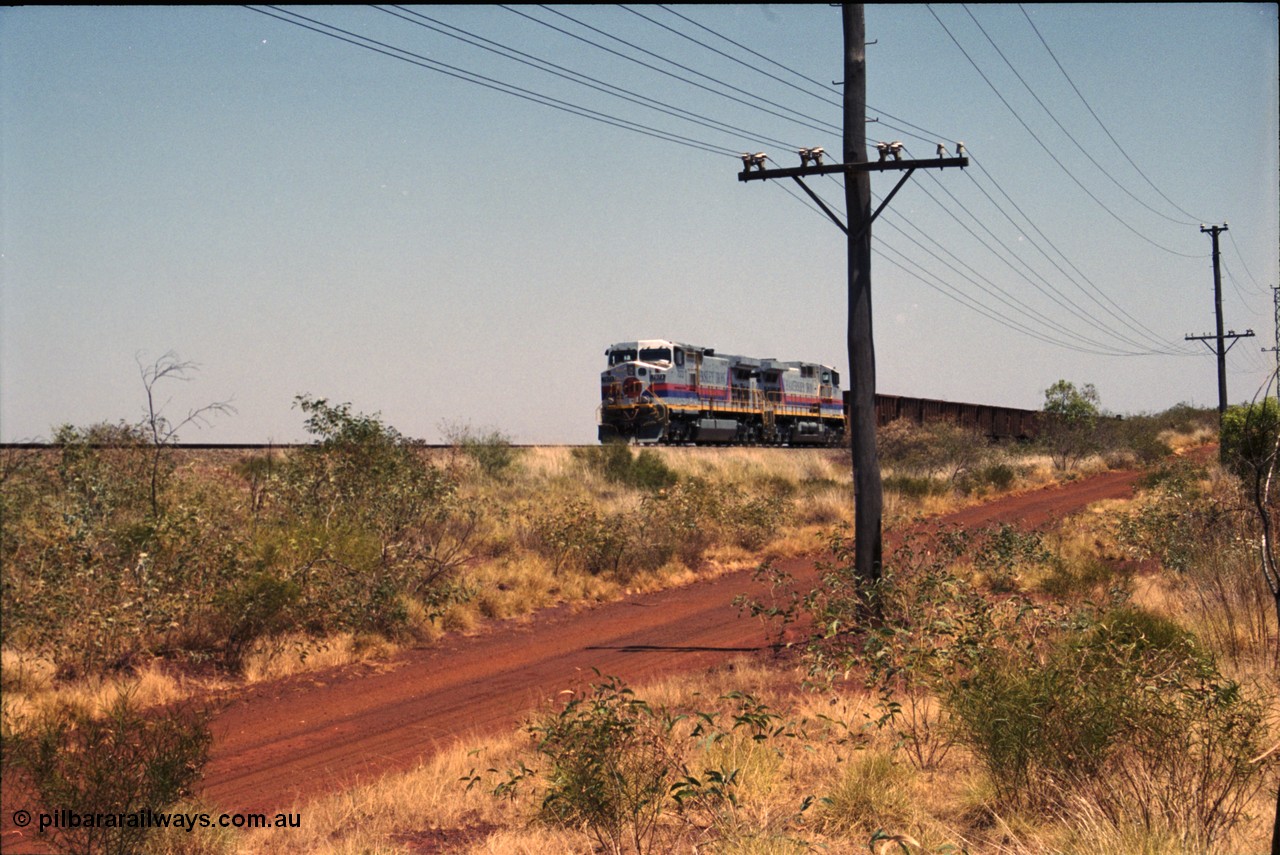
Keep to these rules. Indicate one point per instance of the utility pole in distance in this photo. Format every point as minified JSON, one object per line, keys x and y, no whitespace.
{"x":1275,"y":303}
{"x":1220,"y":336}
{"x":867,"y":488}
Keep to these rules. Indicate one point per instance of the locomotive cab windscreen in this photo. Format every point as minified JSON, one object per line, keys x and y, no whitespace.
{"x":652,"y":355}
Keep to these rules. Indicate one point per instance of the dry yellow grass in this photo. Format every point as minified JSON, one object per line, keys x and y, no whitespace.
{"x":31,"y":689}
{"x":432,"y":801}
{"x":293,"y":654}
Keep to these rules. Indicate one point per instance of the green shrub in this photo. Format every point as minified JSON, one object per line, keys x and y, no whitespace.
{"x":909,"y":635}
{"x":680,"y":522}
{"x":1178,"y":526}
{"x":936,"y":449}
{"x":753,"y":519}
{"x":126,"y":762}
{"x":256,"y":606}
{"x":361,"y":519}
{"x":491,"y":450}
{"x":1248,"y":438}
{"x":1005,"y":550}
{"x":1125,"y":709}
{"x":578,"y":534}
{"x":92,"y":578}
{"x":610,"y":766}
{"x":616,"y":462}
{"x":1069,"y":423}
{"x":915,"y":487}
{"x":1174,"y":477}
{"x":999,"y":476}
{"x":1076,"y":579}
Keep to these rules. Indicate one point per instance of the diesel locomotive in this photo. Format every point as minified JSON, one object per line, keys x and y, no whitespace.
{"x":660,"y":391}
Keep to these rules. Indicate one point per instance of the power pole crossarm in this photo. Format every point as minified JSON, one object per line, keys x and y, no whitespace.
{"x":849,"y":168}
{"x":1231,"y":334}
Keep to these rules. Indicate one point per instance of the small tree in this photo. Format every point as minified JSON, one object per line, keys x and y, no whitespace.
{"x":1250,"y":447}
{"x":1069,"y":432}
{"x":161,"y":433}
{"x":1248,"y":438}
{"x":364,"y":517}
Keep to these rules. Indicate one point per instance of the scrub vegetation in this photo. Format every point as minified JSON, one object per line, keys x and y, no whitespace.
{"x":1104,"y":685}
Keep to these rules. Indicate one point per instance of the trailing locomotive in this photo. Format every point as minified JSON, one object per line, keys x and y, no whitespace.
{"x":660,"y":391}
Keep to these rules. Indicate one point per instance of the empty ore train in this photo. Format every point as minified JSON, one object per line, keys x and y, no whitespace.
{"x":660,"y":391}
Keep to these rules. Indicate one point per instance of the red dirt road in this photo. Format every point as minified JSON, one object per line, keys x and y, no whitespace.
{"x":282,"y":742}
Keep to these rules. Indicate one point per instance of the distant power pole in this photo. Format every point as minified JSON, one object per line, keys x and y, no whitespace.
{"x":867,"y":489}
{"x":1275,"y":305}
{"x":1220,"y":337}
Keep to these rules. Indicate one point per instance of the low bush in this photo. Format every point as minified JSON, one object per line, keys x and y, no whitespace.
{"x":491,"y":450}
{"x":997,"y":476}
{"x":110,"y":555}
{"x":618,"y":464}
{"x":936,"y":449}
{"x":1248,"y":441}
{"x":610,"y":766}
{"x":578,"y":535}
{"x":1003,"y":552}
{"x":637,"y":777}
{"x":118,"y":767}
{"x":915,"y":487}
{"x":1125,"y":708}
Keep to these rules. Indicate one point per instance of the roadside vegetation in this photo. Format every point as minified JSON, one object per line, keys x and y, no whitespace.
{"x":137,"y":576}
{"x":1107,"y":684}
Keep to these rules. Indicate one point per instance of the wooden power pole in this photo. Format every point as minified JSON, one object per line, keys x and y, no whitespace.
{"x":1219,"y":337}
{"x":868,"y":498}
{"x":867,"y":489}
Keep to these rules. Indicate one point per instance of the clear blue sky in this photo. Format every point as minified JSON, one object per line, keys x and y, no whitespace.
{"x":300,"y":215}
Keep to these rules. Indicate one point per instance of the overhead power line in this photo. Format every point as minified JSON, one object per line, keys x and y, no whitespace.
{"x":508,"y":52}
{"x":1105,"y":129}
{"x":1046,"y":288}
{"x":1244,"y":263}
{"x":751,"y":100}
{"x":1046,"y":148}
{"x":727,"y":56}
{"x":1132,"y":347}
{"x":1059,"y":336}
{"x":1063,"y":128}
{"x":1056,"y":331}
{"x":412,"y":58}
{"x":772,"y":62}
{"x":1114,"y":309}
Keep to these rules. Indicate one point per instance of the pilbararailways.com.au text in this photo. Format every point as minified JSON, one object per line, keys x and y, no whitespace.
{"x":62,"y":820}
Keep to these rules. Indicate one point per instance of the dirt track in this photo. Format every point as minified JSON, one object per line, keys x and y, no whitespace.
{"x":301,"y":737}
{"x":280,"y":743}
